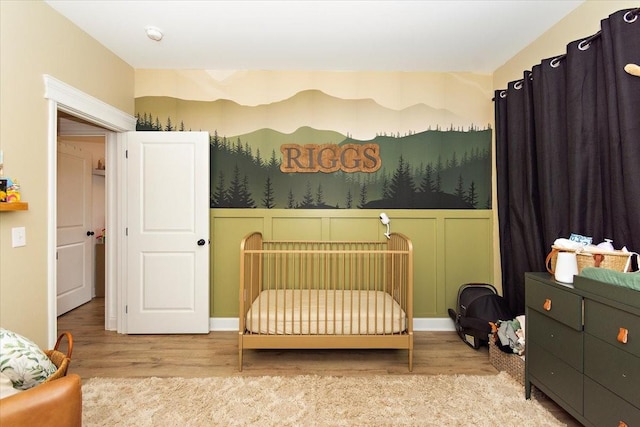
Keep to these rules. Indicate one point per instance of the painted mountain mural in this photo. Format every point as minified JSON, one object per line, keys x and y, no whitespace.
{"x":422,"y":165}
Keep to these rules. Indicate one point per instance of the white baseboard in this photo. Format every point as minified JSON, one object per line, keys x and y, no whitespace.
{"x":419,"y":324}
{"x":433,"y":324}
{"x":221,"y":324}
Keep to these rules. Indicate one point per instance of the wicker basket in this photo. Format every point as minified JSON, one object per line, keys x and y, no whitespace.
{"x":616,"y":260}
{"x":512,"y":364}
{"x":60,"y":359}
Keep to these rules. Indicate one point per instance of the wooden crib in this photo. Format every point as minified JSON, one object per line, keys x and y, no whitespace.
{"x":326,"y":294}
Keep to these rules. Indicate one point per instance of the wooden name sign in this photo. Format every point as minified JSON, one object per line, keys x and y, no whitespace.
{"x":330,"y":158}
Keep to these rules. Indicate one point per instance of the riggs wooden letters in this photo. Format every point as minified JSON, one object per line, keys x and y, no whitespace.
{"x":330,"y":158}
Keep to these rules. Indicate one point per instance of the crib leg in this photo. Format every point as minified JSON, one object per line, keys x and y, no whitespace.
{"x":410,"y":360}
{"x":240,"y":352}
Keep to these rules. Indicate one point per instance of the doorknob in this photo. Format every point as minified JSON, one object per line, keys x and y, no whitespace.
{"x":90,"y":233}
{"x":201,"y":242}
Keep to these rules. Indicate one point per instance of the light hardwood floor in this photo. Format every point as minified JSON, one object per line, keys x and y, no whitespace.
{"x":100,"y":353}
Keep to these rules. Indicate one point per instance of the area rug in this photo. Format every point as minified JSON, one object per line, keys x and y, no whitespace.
{"x":403,"y":400}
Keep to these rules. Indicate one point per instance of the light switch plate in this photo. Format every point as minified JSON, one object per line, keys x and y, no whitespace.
{"x":18,"y":237}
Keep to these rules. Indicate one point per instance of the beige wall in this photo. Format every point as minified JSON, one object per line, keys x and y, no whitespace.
{"x":581,"y":23}
{"x":36,"y":40}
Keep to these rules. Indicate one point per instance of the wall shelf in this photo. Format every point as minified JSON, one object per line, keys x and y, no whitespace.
{"x":99,"y":172}
{"x":14,"y":206}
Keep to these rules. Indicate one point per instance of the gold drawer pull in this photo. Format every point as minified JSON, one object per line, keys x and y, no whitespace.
{"x":623,"y":335}
{"x":622,"y":424}
{"x":547,"y":305}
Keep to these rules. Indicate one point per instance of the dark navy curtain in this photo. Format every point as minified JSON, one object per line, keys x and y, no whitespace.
{"x":568,"y":151}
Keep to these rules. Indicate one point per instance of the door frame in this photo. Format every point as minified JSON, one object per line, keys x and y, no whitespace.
{"x":65,"y":98}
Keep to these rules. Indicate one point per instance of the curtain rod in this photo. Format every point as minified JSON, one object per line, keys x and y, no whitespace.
{"x":629,"y":17}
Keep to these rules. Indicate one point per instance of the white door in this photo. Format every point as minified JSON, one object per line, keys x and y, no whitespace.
{"x":167,"y":236}
{"x":74,"y":234}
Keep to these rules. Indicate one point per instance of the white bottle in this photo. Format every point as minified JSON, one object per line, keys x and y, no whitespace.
{"x":607,"y":245}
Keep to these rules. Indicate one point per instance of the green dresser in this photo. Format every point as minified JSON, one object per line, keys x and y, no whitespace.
{"x":583,"y":348}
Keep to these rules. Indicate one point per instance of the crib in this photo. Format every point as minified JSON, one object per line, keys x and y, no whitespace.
{"x":326,"y":294}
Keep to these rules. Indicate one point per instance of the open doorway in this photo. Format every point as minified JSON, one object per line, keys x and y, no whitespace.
{"x":81,"y":213}
{"x":82,"y":277}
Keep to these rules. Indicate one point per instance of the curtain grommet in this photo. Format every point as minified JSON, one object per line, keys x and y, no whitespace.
{"x":517,"y":85}
{"x":584,"y":44}
{"x":630,"y":17}
{"x":503,"y":94}
{"x":555,"y":62}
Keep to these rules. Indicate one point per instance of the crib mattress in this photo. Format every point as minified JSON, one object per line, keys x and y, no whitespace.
{"x":326,"y":312}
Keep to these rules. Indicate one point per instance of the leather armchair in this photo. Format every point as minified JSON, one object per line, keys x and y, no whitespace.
{"x":54,"y":403}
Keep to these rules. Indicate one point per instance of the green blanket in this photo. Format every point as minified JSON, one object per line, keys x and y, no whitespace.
{"x":628,"y":280}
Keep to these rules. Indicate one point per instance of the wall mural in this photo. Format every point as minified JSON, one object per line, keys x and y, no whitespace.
{"x":315,"y":150}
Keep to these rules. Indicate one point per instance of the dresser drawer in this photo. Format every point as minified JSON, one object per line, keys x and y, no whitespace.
{"x":558,"y":339}
{"x":613,"y":368}
{"x":603,"y":408}
{"x":561,"y":305}
{"x":604,"y":322}
{"x":558,"y":376}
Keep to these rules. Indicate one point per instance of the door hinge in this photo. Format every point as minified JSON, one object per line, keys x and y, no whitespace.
{"x":126,"y":231}
{"x":126,"y":309}
{"x":126,"y":154}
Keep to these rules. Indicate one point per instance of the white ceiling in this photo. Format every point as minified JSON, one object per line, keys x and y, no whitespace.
{"x":402,"y":35}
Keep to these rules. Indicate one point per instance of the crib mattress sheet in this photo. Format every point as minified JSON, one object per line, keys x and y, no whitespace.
{"x":325,"y":312}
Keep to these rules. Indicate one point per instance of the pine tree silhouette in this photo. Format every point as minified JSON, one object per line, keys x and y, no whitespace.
{"x":363,"y":196}
{"x":472,"y":196}
{"x":319,"y":196}
{"x":291,"y":201}
{"x":219,"y":197}
{"x":268,"y":200}
{"x":437,"y":187}
{"x":454,"y":160}
{"x":144,"y":123}
{"x":215,"y":140}
{"x":459,"y":191}
{"x":235,"y":192}
{"x":426,"y":185}
{"x":349,"y":202}
{"x":307,"y":200}
{"x":238,"y":194}
{"x":386,"y":190}
{"x":247,"y":200}
{"x":274,"y":163}
{"x":402,"y":188}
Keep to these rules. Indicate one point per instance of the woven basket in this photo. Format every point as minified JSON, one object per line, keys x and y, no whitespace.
{"x":60,"y":359}
{"x":616,"y":260}
{"x":512,"y":364}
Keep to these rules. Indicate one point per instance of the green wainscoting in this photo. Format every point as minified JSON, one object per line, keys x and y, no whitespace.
{"x":451,"y":247}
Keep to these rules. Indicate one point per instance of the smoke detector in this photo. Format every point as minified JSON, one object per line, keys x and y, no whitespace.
{"x":154,"y":33}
